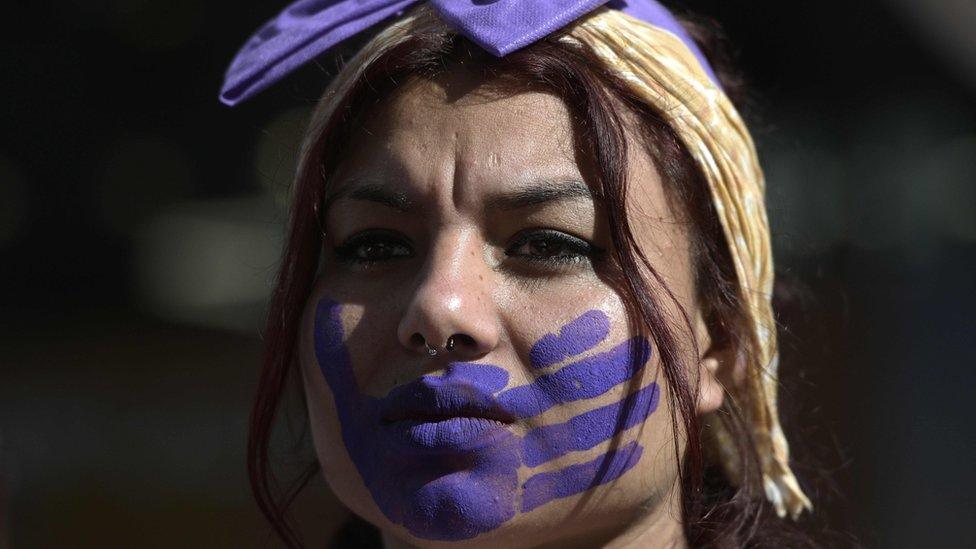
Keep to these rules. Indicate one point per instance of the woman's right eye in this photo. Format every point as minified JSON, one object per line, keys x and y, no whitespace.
{"x":374,"y":246}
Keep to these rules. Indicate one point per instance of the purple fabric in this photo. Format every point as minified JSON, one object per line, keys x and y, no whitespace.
{"x":503,"y":26}
{"x":309,"y":28}
{"x":300,"y":33}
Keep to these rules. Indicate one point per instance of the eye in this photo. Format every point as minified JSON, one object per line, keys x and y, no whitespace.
{"x":374,"y":246}
{"x":552,"y":247}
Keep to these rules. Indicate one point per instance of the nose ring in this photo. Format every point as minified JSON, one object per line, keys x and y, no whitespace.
{"x":431,"y":351}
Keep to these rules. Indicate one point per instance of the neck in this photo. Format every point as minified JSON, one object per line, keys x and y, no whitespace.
{"x":655,"y":523}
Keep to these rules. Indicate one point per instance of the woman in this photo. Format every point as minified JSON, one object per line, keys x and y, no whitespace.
{"x":527,"y":282}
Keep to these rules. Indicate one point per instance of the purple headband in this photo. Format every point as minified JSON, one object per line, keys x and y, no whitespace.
{"x":309,"y":28}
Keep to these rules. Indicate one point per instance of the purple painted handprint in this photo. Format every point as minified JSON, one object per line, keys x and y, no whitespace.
{"x":438,"y":454}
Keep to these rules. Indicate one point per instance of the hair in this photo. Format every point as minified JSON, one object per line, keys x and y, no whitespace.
{"x":716,"y":511}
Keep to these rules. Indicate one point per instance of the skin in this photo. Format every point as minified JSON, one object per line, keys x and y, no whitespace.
{"x":452,"y":261}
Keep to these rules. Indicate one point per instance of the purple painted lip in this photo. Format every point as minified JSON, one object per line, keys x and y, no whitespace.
{"x":432,"y":398}
{"x":433,"y":414}
{"x":448,"y":436}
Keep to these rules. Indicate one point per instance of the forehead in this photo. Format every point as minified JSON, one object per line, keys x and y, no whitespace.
{"x":451,"y":129}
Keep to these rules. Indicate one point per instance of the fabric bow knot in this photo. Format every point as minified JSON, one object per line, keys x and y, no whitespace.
{"x":309,"y":28}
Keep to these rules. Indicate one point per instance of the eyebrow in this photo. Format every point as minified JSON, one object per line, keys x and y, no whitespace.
{"x":534,"y":194}
{"x":540,"y":192}
{"x":369,"y":192}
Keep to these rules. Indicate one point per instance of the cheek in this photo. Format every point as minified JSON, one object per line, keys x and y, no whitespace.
{"x":338,"y":470}
{"x":319,"y":400}
{"x":653,"y":477}
{"x":529,"y":316}
{"x":323,"y":421}
{"x":369,"y":325}
{"x":655,"y":433}
{"x":657,"y":472}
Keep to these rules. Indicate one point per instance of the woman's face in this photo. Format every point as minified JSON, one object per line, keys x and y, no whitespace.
{"x":458,"y":216}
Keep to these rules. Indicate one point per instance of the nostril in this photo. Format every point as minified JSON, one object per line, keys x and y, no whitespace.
{"x":462,"y":340}
{"x":417,"y":340}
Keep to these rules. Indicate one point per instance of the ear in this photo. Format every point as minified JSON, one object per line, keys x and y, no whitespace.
{"x":713,"y":360}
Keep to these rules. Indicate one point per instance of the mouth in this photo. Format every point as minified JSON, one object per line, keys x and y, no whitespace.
{"x":438,"y":411}
{"x":430,"y":401}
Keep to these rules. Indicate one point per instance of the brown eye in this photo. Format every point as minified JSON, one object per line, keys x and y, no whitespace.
{"x":375,"y":252}
{"x":550,"y":246}
{"x":374,"y":246}
{"x":544,"y":247}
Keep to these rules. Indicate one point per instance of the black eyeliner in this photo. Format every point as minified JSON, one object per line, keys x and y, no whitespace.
{"x":580,"y":248}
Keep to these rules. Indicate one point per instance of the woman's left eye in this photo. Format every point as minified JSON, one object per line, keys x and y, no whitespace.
{"x":552,"y":247}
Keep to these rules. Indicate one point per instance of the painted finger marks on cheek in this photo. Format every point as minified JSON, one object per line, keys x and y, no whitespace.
{"x":355,"y":411}
{"x":574,"y":338}
{"x":589,"y":429}
{"x":331,"y":353}
{"x":545,"y":487}
{"x":588,"y":378}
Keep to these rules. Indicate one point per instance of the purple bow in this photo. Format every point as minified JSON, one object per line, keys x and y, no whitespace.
{"x":309,"y":28}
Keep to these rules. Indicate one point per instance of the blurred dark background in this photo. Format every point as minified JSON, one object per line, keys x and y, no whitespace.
{"x":140,"y":222}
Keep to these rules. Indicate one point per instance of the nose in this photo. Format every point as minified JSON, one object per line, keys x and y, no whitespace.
{"x":451,"y":312}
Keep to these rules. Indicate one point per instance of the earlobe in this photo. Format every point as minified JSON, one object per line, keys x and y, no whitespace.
{"x":711,"y":394}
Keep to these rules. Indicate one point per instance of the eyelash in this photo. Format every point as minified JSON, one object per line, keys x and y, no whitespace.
{"x":579,"y":250}
{"x":351,"y":251}
{"x":354,"y":250}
